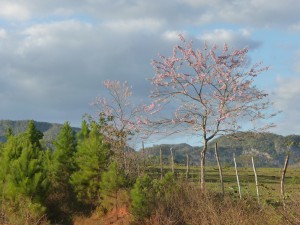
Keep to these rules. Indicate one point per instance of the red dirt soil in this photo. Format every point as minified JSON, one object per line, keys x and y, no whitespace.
{"x":121,"y":217}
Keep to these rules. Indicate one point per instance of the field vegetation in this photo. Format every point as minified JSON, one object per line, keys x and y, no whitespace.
{"x":83,"y":181}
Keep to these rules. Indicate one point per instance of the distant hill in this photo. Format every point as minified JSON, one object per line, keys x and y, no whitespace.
{"x":268,"y":150}
{"x":50,"y":130}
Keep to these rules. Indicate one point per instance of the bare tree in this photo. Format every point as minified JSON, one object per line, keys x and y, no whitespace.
{"x":119,"y":118}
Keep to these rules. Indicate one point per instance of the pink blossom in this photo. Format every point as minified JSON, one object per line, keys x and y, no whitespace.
{"x":149,"y":108}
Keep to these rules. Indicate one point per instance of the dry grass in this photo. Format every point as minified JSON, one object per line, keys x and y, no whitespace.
{"x":190,"y":206}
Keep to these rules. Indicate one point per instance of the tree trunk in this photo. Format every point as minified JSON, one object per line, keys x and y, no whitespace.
{"x":144,"y":160}
{"x":202,"y":166}
{"x":220,"y":168}
{"x":125,"y":161}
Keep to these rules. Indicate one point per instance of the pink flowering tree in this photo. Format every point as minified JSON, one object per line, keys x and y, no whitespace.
{"x":208,"y":92}
{"x":118,"y":118}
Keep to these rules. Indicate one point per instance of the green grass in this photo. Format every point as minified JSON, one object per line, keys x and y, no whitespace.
{"x":268,"y":180}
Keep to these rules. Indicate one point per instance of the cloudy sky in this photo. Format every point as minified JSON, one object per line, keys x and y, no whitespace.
{"x":54,"y":55}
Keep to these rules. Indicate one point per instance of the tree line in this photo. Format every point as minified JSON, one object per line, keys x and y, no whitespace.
{"x":79,"y":174}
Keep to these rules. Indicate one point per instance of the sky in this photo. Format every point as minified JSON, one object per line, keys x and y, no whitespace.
{"x":55,"y":55}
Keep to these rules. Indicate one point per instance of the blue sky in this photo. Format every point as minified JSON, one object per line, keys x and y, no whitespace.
{"x":54,"y":55}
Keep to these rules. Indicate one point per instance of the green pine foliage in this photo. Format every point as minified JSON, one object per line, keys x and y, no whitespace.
{"x":23,"y":181}
{"x":27,"y":176}
{"x":84,"y":132}
{"x":64,"y":150}
{"x":61,"y":197}
{"x":142,"y":197}
{"x":34,"y":135}
{"x":147,"y":193}
{"x":112,"y":181}
{"x":91,"y":160}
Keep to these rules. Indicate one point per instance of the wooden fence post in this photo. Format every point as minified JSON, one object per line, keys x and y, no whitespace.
{"x":282,"y":179}
{"x":220,"y":168}
{"x":237,"y":176}
{"x":172,"y":160}
{"x":187,"y":167}
{"x":161,"y":164}
{"x":256,"y":181}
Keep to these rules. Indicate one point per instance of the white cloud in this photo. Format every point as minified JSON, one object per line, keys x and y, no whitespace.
{"x":241,"y":38}
{"x":173,"y":35}
{"x":259,"y":13}
{"x":3,"y":33}
{"x":287,"y":99}
{"x":294,"y":27}
{"x":52,"y":71}
{"x":134,"y":25}
{"x":13,"y":11}
{"x":46,"y":35}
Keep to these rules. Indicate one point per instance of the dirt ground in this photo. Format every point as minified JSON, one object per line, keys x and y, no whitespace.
{"x":115,"y":217}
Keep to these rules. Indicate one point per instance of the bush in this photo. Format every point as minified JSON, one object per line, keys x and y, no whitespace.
{"x":142,"y":196}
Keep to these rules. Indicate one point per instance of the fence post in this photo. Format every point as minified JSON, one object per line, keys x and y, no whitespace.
{"x":256,"y":181}
{"x":220,"y":168}
{"x":282,"y":179}
{"x":172,"y":160}
{"x":237,"y":176}
{"x":187,"y":167}
{"x":161,"y":164}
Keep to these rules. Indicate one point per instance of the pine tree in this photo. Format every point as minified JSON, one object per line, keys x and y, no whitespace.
{"x":27,"y":176}
{"x":34,"y":134}
{"x":111,"y":182}
{"x":9,"y":133}
{"x":91,"y":161}
{"x":142,"y":197}
{"x":84,"y":132}
{"x":22,"y":175}
{"x":64,"y":149}
{"x":61,"y":197}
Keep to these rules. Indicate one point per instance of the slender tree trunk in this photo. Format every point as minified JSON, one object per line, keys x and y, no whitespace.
{"x":237,"y":176}
{"x":202,"y":166}
{"x":138,"y":169}
{"x":256,"y":181}
{"x":125,"y":160}
{"x":220,"y":168}
{"x":187,"y":167}
{"x":282,"y":179}
{"x":161,"y":164}
{"x":172,"y":160}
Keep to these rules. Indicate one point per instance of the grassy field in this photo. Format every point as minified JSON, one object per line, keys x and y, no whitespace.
{"x":268,"y":179}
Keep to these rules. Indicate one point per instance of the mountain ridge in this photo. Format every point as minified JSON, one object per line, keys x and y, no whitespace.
{"x":50,"y":130}
{"x":268,"y":149}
